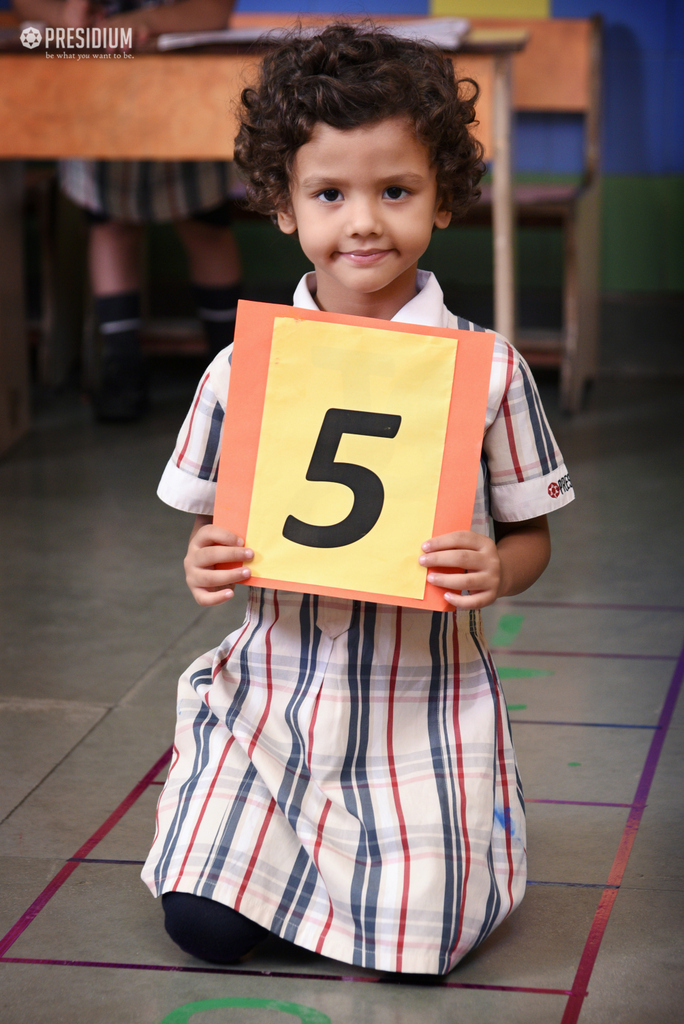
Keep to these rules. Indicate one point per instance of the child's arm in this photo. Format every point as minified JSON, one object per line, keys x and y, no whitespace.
{"x":493,"y":569}
{"x":209,"y":547}
{"x":185,"y":16}
{"x":59,"y":13}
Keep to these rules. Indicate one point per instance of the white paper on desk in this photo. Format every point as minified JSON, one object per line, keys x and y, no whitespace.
{"x":446,"y":33}
{"x":183,"y":40}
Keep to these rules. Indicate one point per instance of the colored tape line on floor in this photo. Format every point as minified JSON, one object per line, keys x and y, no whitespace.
{"x":306,"y":1014}
{"x":507,"y":630}
{"x":523,"y":673}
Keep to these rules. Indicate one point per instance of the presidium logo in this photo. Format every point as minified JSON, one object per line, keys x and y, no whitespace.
{"x":30,"y":37}
{"x":89,"y":39}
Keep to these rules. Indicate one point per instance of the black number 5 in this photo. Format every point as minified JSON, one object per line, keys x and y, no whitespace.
{"x":369,"y":494}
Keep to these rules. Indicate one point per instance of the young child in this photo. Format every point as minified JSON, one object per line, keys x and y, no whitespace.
{"x":343,"y":773}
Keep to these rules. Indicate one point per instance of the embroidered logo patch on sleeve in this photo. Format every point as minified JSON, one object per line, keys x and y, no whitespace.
{"x":346,"y":445}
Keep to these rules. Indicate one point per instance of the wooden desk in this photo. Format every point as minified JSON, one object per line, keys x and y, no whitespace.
{"x":179,"y":106}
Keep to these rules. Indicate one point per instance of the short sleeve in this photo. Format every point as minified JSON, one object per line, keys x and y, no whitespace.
{"x":189,"y":479}
{"x":527,"y":475}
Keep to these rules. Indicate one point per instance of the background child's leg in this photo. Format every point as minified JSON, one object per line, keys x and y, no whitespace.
{"x":216,"y":274}
{"x":207,"y":929}
{"x":114,"y":262}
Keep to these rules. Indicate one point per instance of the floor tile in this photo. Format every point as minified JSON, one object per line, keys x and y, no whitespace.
{"x":574,"y":763}
{"x":35,"y":735}
{"x":104,"y":913}
{"x":65,"y":996}
{"x":583,"y":690}
{"x":602,"y":631}
{"x":88,"y":786}
{"x":657,"y":858}
{"x":567,"y":843}
{"x":638,"y":977}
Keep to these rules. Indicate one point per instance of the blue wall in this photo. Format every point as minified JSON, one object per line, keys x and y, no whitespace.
{"x":643,"y":82}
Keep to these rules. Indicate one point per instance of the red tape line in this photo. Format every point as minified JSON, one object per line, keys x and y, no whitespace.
{"x":60,"y":878}
{"x":598,"y":926}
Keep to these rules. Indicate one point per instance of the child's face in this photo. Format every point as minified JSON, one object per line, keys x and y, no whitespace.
{"x":364,"y":202}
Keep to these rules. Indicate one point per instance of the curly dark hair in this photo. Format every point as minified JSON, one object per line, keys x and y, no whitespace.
{"x":347,"y":76}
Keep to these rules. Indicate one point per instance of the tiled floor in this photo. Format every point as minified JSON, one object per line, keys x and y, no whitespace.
{"x":97,"y":626}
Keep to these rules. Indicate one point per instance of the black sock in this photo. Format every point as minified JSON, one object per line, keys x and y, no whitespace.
{"x":118,"y":317}
{"x":209,"y":930}
{"x":121,"y":392}
{"x":216,"y":308}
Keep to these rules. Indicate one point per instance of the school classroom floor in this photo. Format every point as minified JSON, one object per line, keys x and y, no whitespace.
{"x":97,"y":625}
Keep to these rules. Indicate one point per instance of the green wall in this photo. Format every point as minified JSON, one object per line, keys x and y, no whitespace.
{"x":643,"y":233}
{"x":642,"y":245}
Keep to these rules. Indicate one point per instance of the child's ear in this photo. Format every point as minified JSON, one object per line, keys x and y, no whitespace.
{"x":442,"y":218}
{"x":286,"y":221}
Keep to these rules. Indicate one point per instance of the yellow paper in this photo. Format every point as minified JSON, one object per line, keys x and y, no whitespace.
{"x":315,"y":367}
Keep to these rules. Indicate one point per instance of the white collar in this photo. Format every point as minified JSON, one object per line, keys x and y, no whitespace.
{"x":426,"y":308}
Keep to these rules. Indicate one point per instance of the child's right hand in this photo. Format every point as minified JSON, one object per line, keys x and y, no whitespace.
{"x":209,"y":547}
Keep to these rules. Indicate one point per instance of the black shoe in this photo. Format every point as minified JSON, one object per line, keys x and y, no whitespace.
{"x":123,"y":391}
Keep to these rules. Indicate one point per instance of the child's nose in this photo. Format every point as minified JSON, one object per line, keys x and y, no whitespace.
{"x":363,"y":218}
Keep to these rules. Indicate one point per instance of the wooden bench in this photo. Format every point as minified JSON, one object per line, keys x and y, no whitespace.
{"x":558,"y":72}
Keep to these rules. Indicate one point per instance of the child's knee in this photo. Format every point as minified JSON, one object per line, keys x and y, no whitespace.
{"x":207,"y":929}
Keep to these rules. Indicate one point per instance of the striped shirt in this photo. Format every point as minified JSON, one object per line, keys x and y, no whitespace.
{"x":343,"y":772}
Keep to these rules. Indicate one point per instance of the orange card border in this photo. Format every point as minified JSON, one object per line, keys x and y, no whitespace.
{"x":244,"y":412}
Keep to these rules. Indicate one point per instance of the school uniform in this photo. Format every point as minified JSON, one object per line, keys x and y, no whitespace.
{"x":145,"y":191}
{"x":343,"y":772}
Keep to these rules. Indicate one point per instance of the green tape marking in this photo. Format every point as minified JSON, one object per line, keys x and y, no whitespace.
{"x":523,"y":673}
{"x":517,"y":707}
{"x":306,"y":1014}
{"x":507,"y":630}
{"x":574,"y":764}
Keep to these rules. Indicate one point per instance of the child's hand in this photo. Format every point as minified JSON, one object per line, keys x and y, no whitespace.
{"x":474,"y":553}
{"x":209,"y":547}
{"x":76,"y":14}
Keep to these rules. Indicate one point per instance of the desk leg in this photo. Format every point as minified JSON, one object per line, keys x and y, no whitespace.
{"x":503,"y":221}
{"x":14,"y":369}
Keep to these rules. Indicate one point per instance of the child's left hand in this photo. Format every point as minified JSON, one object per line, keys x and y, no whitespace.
{"x":472,"y":552}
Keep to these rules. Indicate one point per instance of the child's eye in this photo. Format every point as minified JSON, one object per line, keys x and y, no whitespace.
{"x":395,"y":192}
{"x":330,"y":195}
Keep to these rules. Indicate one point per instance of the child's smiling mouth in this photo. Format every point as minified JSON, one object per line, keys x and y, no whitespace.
{"x":365,"y":257}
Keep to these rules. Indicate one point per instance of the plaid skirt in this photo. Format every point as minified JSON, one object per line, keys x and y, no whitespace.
{"x":344,"y":775}
{"x":145,"y":191}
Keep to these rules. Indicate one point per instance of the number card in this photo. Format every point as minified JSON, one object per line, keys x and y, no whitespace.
{"x":346,"y":445}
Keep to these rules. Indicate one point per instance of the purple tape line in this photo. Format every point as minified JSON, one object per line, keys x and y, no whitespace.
{"x":588,"y":959}
{"x":60,"y":878}
{"x":103,"y":860}
{"x":589,"y":725}
{"x":384,"y":979}
{"x":598,"y":606}
{"x":575,"y":885}
{"x":575,"y":803}
{"x":583,"y":654}
{"x":581,"y":885}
